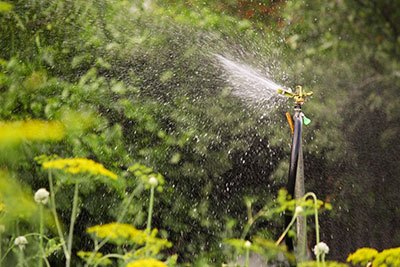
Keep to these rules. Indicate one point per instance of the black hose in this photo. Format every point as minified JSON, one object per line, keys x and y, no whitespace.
{"x":294,"y":156}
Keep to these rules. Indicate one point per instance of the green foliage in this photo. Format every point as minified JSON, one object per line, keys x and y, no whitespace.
{"x":5,"y":6}
{"x":16,"y":203}
{"x":79,"y":72}
{"x":98,"y":258}
{"x":263,"y":247}
{"x":134,"y":83}
{"x":144,"y":173}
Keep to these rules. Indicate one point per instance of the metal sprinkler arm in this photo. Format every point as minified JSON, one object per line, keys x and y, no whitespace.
{"x":299,"y":95}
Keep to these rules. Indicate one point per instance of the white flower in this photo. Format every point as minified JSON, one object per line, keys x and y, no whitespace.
{"x":321,"y":249}
{"x":247,"y":244}
{"x":153,"y":181}
{"x":298,"y":210}
{"x":42,"y":196}
{"x":20,"y":241}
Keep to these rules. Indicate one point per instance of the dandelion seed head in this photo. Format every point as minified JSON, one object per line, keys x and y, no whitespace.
{"x":321,"y":249}
{"x":42,"y":196}
{"x":153,"y":181}
{"x":21,"y":242}
{"x":299,"y":210}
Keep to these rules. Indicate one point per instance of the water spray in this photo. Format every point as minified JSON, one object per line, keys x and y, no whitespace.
{"x":295,"y":184}
{"x":251,"y":85}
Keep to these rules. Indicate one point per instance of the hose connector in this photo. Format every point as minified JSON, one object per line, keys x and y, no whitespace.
{"x":299,"y":96}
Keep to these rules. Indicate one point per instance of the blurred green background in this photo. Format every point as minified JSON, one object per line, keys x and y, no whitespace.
{"x":137,"y":81}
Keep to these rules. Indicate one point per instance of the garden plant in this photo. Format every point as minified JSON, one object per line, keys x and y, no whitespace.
{"x":125,"y":142}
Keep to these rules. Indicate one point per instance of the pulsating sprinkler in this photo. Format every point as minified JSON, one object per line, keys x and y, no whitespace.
{"x":295,"y":184}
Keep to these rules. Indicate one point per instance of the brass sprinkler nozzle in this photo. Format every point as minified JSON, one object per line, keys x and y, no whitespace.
{"x":299,"y":96}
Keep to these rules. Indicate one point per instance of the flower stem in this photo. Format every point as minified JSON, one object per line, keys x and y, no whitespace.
{"x":246,"y":264}
{"x":116,"y":256}
{"x":72,"y":223}
{"x":150,"y":213}
{"x":252,"y":219}
{"x":1,"y":254}
{"x":41,"y":232}
{"x":287,"y":229}
{"x":323,"y":260}
{"x":54,"y":211}
{"x":97,"y":247}
{"x":149,"y":216}
{"x":311,"y":194}
{"x":21,"y":257}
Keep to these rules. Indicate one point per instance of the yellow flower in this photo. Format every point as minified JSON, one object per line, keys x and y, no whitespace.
{"x":35,"y":130}
{"x":362,"y":256}
{"x":388,"y":257}
{"x":147,"y":263}
{"x":79,"y":165}
{"x":119,"y":233}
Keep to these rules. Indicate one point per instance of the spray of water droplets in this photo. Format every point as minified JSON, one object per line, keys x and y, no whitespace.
{"x":248,"y":84}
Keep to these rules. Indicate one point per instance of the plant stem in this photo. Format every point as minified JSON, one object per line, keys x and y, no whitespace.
{"x":1,"y":254}
{"x":21,"y":257}
{"x":311,"y":194}
{"x":54,"y":211}
{"x":11,"y":245}
{"x":41,"y":232}
{"x":287,"y":229}
{"x":47,"y":262}
{"x":246,"y":264}
{"x":150,"y":213}
{"x":97,"y":247}
{"x":116,"y":256}
{"x":72,"y":223}
{"x":149,"y":216}
{"x":251,"y":221}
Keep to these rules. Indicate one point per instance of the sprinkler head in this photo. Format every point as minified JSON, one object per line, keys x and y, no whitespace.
{"x":299,"y":96}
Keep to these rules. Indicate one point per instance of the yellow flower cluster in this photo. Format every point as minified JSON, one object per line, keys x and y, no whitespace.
{"x":388,"y":257}
{"x":35,"y":130}
{"x":385,"y":258}
{"x":79,"y":165}
{"x":119,"y":233}
{"x":147,"y":263}
{"x":362,"y":256}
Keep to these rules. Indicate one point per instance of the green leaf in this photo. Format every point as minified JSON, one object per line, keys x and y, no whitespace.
{"x":52,"y":246}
